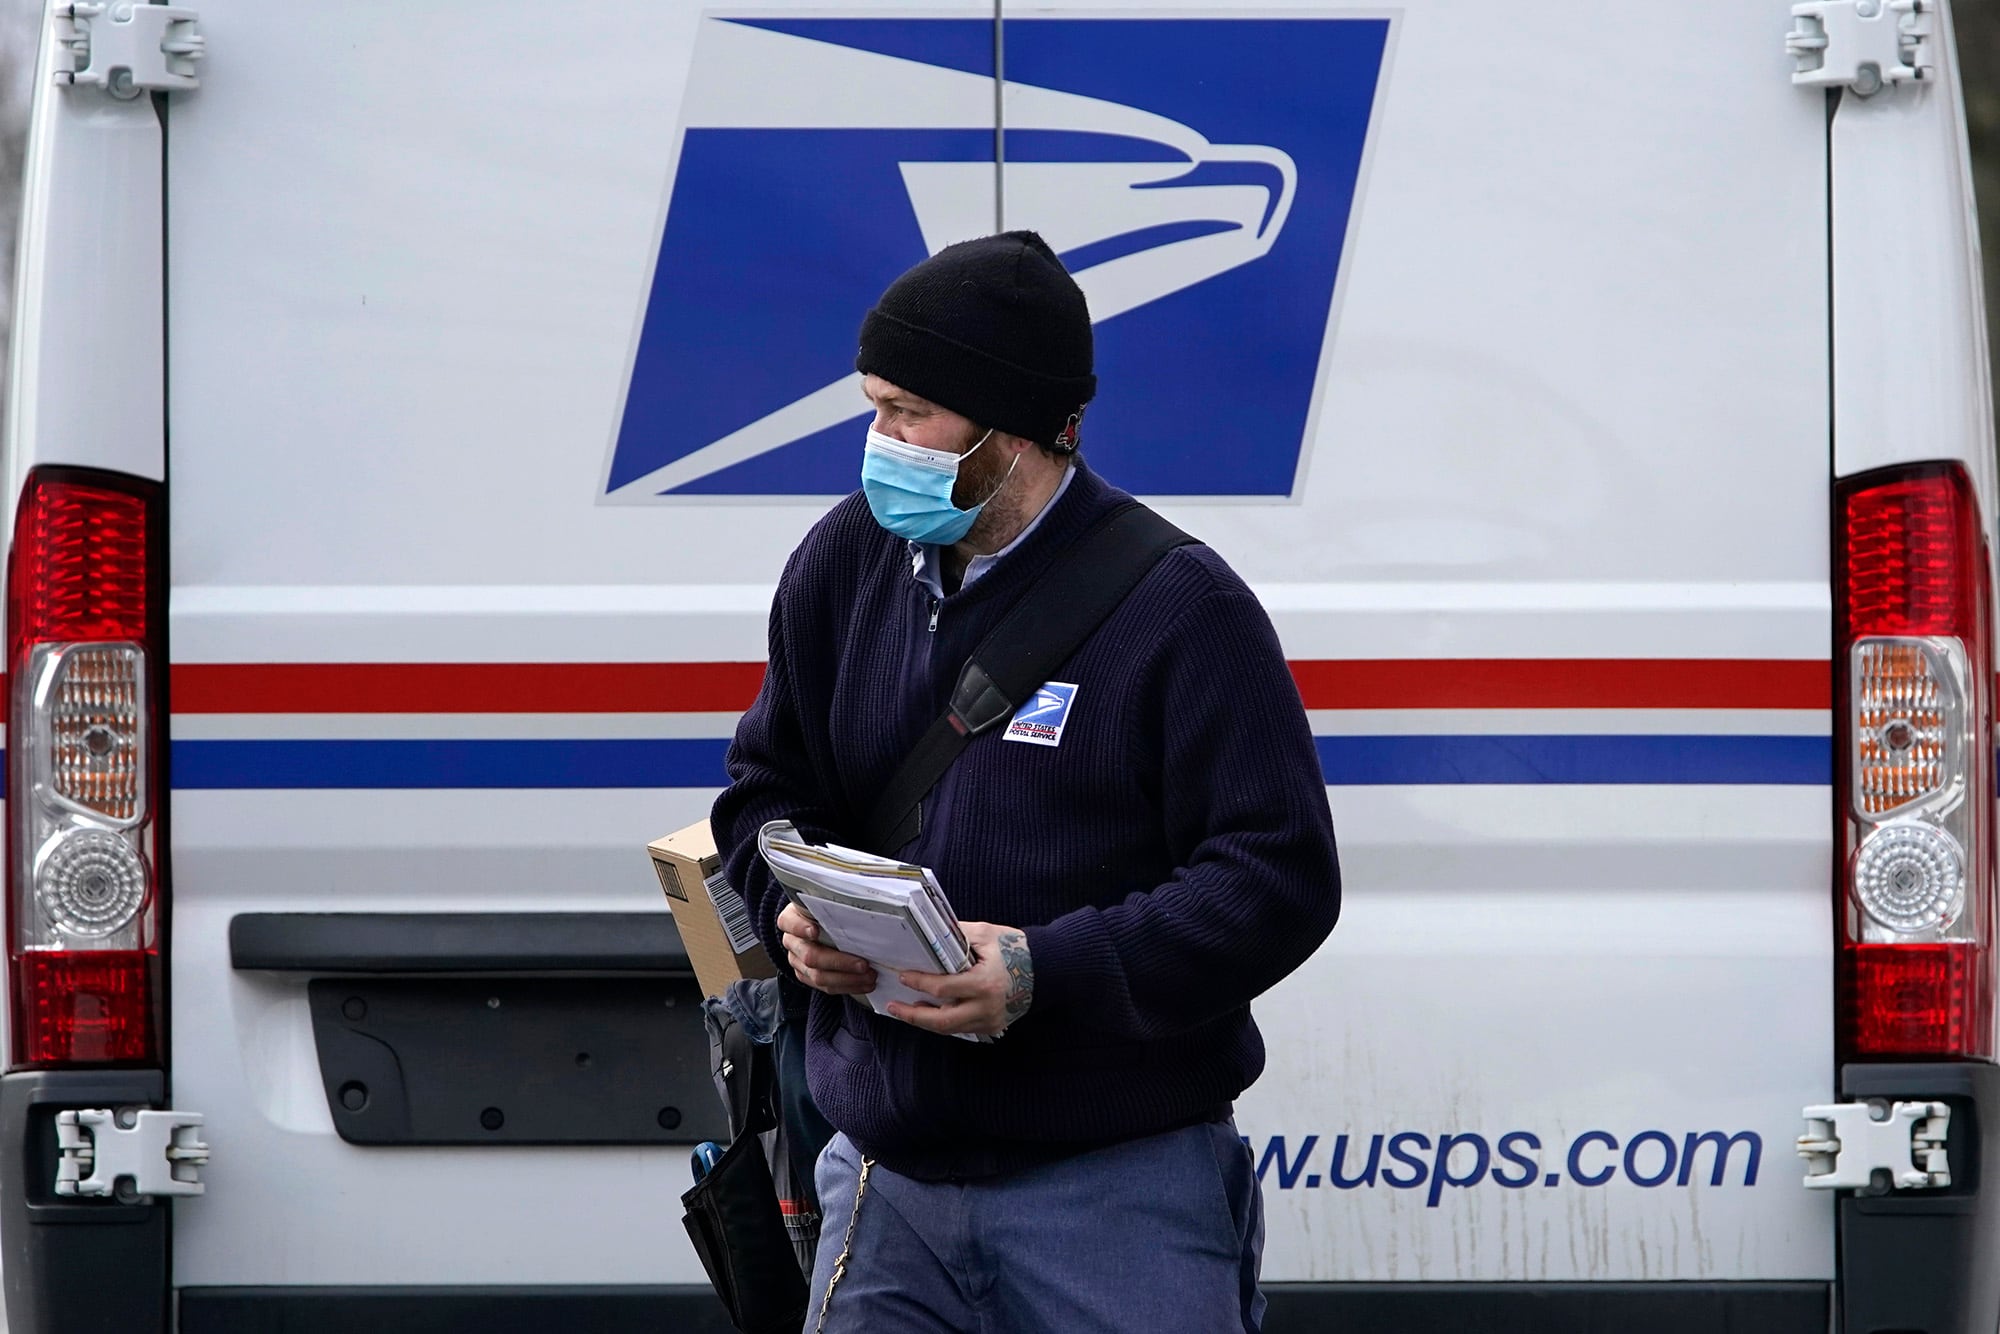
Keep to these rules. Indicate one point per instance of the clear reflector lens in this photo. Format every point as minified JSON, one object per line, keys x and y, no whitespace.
{"x":97,"y":754}
{"x":90,"y":883}
{"x":1908,"y":702}
{"x":1910,"y":877}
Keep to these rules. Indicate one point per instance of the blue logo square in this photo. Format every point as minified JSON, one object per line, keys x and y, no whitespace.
{"x":1197,"y":175}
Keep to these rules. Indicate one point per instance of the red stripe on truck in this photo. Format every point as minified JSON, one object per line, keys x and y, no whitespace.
{"x":477,"y":687}
{"x":1566,"y":683}
{"x":728,"y":687}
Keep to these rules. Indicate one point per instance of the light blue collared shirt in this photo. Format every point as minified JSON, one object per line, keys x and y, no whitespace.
{"x":927,"y":566}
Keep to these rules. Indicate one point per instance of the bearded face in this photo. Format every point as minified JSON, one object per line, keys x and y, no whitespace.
{"x":980,"y":472}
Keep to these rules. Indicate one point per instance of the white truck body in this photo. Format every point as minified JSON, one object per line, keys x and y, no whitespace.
{"x":494,"y":359}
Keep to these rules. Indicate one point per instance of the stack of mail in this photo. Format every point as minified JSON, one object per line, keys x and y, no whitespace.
{"x":891,"y":913}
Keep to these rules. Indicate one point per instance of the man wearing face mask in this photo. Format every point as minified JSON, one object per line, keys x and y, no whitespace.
{"x":1133,"y":869}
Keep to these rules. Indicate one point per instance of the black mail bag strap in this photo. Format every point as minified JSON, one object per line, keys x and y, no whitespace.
{"x":1069,"y":599}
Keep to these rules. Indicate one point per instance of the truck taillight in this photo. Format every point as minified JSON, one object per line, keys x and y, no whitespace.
{"x":1914,"y":660}
{"x":84,"y":633}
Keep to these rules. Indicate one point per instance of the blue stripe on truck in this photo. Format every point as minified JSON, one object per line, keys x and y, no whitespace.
{"x":1371,"y":761}
{"x":617,"y":762}
{"x":1348,"y":761}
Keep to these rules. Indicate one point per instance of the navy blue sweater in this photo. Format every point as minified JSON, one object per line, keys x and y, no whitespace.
{"x":1170,"y":859}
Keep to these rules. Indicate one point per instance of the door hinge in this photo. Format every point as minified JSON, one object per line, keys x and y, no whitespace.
{"x":130,"y":1153}
{"x":126,"y":47}
{"x":1861,"y":44}
{"x":1876,"y":1146}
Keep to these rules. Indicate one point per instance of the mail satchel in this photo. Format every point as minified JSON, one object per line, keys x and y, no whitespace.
{"x":733,"y":1217}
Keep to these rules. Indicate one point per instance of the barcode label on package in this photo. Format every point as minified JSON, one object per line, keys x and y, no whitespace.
{"x":670,"y":881}
{"x":732,"y":912}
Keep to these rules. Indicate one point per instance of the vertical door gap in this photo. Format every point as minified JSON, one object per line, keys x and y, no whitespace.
{"x":999,"y":118}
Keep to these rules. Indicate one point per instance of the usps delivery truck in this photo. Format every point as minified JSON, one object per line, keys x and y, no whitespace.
{"x":413,"y":405}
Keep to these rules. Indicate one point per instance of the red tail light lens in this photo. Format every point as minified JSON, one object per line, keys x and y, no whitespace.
{"x":1915,"y":761}
{"x":84,"y":637}
{"x":1910,"y":544}
{"x":87,"y":1006}
{"x":80,"y":557}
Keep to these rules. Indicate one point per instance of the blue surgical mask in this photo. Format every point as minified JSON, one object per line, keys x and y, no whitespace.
{"x":909,"y":489}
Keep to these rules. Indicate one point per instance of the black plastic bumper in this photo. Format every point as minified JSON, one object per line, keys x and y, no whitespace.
{"x":75,"y":1266}
{"x":1296,"y":1308}
{"x":1929,"y":1262}
{"x":683,"y":1309}
{"x":1547,"y":1308}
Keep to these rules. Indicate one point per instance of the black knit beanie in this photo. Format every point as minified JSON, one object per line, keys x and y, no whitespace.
{"x":995,"y":330}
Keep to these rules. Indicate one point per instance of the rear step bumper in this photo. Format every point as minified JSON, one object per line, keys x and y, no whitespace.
{"x":1926,"y":1262}
{"x":75,"y":1266}
{"x":1296,"y":1308}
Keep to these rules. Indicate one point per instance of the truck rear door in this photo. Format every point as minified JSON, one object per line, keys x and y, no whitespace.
{"x":505,"y":371}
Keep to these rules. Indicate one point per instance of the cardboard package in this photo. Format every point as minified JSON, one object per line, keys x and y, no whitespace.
{"x":714,"y":920}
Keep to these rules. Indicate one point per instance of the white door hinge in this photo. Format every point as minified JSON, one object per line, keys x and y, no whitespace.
{"x":1877,"y":1146}
{"x":1861,"y":44}
{"x":126,"y":47}
{"x":129,"y":1153}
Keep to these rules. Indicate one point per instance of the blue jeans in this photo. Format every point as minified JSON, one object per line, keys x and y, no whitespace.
{"x":1162,"y":1234}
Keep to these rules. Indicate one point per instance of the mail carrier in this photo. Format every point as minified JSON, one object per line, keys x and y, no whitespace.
{"x":412,"y":407}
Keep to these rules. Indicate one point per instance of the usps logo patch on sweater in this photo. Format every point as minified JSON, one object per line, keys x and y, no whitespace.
{"x":1041,"y":720}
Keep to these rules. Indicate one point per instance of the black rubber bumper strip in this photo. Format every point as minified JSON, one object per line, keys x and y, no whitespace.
{"x":538,"y":942}
{"x":1547,"y":1308}
{"x":1302,"y":1308}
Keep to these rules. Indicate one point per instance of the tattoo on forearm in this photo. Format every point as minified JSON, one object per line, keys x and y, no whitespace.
{"x":1020,"y":973}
